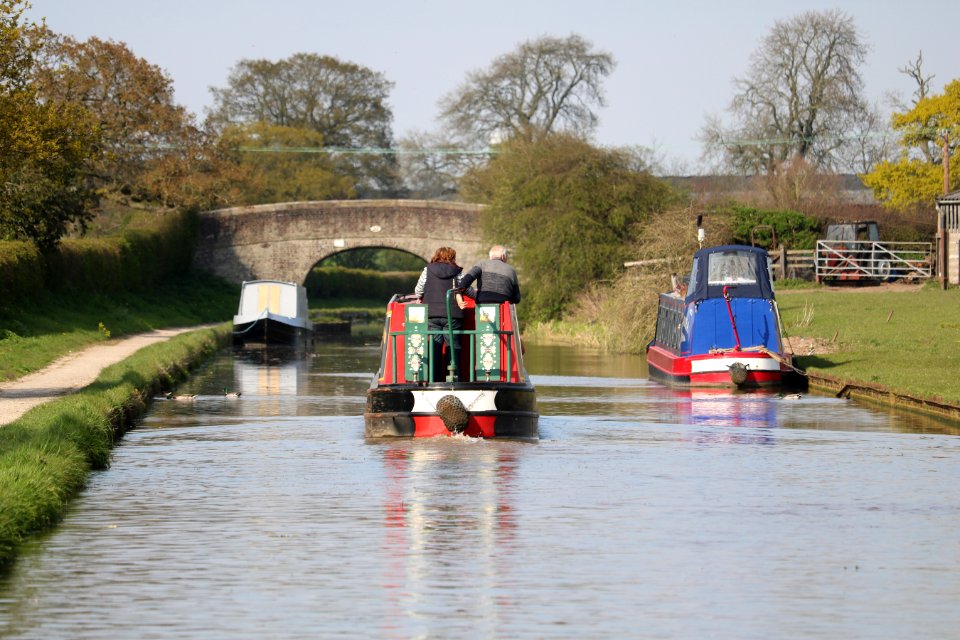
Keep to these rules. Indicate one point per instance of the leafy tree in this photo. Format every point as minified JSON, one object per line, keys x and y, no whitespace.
{"x":568,"y":210}
{"x":285,"y":164}
{"x":204,"y":171}
{"x":130,"y":99}
{"x":43,"y":143}
{"x":345,"y":103}
{"x":917,"y":177}
{"x":803,"y":96}
{"x":547,"y":85}
{"x":793,"y":229}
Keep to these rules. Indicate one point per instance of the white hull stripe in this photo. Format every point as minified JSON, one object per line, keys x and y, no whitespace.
{"x":713,"y":365}
{"x":425,"y":401}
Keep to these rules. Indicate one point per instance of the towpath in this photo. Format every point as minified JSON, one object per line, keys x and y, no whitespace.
{"x":74,"y":371}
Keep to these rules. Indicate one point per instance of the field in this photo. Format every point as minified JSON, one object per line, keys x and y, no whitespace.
{"x":904,"y":338}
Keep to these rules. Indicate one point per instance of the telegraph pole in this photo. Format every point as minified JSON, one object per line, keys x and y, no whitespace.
{"x":946,"y":161}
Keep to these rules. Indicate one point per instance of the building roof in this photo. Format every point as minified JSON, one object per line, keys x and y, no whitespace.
{"x":950,"y":197}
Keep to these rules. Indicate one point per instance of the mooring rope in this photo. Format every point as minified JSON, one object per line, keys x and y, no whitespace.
{"x":758,"y":349}
{"x":253,"y":323}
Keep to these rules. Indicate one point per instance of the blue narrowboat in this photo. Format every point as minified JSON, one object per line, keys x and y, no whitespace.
{"x":722,"y":328}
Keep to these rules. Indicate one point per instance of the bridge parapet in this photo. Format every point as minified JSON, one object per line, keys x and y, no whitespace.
{"x":283,"y":241}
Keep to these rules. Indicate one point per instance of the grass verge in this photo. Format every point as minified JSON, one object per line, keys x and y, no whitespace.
{"x":46,"y":455}
{"x":38,"y":331}
{"x":907,"y":342}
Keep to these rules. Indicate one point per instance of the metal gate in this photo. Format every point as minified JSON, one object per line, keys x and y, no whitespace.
{"x":879,"y":261}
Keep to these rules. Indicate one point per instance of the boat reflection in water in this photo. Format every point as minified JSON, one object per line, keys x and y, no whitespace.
{"x":742,"y":417}
{"x":274,"y":375}
{"x":449,"y":519}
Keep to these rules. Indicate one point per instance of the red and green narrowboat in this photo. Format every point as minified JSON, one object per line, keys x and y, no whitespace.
{"x":488,"y":393}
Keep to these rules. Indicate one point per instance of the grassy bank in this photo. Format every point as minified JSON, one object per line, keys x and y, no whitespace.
{"x":46,"y":455}
{"x":38,"y":330}
{"x":905,"y":341}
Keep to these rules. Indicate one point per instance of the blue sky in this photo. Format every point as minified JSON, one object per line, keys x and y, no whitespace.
{"x":676,"y":59}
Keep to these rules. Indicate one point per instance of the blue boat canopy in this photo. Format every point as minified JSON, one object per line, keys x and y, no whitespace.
{"x":745,"y":270}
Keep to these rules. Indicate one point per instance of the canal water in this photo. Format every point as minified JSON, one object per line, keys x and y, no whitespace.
{"x":642,"y":512}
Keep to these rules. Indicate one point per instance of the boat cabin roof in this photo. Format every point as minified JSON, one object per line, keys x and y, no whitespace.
{"x":744,"y":270}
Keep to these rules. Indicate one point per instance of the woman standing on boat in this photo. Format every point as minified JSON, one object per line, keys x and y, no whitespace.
{"x":438,"y":277}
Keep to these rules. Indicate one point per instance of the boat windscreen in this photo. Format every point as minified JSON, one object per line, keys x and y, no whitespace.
{"x":732,"y":268}
{"x":744,"y":271}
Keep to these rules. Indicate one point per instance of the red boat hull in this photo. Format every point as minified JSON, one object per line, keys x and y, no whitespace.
{"x":713,"y":370}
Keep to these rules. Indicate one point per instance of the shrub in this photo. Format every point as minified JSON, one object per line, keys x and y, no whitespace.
{"x":341,"y":282}
{"x":131,"y":261}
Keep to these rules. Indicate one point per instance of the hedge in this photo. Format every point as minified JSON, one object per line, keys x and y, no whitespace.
{"x":128,"y":262}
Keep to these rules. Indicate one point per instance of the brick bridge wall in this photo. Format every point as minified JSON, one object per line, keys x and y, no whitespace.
{"x":284,"y":241}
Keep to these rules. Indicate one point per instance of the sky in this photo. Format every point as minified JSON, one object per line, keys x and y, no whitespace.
{"x":676,"y":59}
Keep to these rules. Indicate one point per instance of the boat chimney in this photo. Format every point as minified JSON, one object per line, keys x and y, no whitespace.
{"x":701,"y":236}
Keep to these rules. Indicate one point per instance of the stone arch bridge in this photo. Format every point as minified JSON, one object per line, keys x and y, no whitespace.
{"x":284,"y":241}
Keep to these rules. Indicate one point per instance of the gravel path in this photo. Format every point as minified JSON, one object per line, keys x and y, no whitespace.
{"x":73,"y":372}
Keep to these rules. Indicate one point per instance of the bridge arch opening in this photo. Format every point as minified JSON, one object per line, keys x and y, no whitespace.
{"x":362,"y":277}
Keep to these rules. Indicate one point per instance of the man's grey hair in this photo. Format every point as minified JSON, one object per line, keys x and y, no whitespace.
{"x":498,"y":252}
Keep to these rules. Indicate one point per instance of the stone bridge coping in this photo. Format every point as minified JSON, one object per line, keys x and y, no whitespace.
{"x":313,"y":205}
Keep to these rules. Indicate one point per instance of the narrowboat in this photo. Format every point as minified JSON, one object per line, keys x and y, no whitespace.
{"x":272,"y":312}
{"x":722,"y":328}
{"x":488,"y":393}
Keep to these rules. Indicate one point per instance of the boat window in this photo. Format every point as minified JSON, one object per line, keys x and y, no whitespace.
{"x":692,"y":285}
{"x":731,"y":267}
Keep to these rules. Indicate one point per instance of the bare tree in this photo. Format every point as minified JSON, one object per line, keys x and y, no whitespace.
{"x":547,"y":85}
{"x":431,"y":164}
{"x":914,"y":69}
{"x":802,"y":97}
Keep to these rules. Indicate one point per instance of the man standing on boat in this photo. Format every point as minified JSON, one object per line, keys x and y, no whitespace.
{"x":496,"y":280}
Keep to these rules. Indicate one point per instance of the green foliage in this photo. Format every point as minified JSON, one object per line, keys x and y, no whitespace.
{"x":129,"y":262}
{"x":917,"y":177}
{"x":345,"y":104}
{"x":130,"y":100}
{"x":285,"y":165}
{"x":136,"y":259}
{"x":43,"y":143}
{"x":568,"y":211}
{"x":21,"y":270}
{"x":907,"y":182}
{"x":793,"y":229}
{"x":375,"y":259}
{"x":340,"y":282}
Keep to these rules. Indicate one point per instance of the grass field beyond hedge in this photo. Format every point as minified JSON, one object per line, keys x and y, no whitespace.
{"x":906,"y":340}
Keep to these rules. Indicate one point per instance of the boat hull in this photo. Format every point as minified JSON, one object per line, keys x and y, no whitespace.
{"x":495,"y":411}
{"x":714,"y":370}
{"x":270,"y":330}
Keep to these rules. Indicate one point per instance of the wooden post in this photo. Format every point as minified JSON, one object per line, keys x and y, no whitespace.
{"x":783,"y":262}
{"x":941,"y":249}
